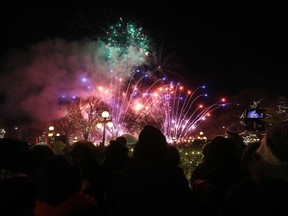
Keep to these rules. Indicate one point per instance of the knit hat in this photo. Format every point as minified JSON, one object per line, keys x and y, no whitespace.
{"x":274,"y":146}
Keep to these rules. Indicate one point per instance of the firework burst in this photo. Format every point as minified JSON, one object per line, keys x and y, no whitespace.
{"x":127,"y":47}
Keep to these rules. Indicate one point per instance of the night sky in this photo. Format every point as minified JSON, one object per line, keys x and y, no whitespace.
{"x":228,"y":46}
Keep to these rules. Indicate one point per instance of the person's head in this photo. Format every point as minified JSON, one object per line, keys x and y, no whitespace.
{"x":219,"y":150}
{"x":116,"y":150}
{"x":233,"y":131}
{"x":174,"y":157}
{"x":151,"y":144}
{"x":122,"y":140}
{"x":86,"y":152}
{"x":204,"y":152}
{"x":38,"y":153}
{"x":274,"y":146}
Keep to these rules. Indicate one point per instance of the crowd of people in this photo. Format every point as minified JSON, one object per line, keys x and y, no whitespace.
{"x":82,"y":179}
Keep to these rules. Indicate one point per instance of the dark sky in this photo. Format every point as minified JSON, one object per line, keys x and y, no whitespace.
{"x":228,"y":46}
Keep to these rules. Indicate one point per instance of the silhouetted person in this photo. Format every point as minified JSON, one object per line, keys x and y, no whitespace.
{"x":147,"y":186}
{"x":116,"y":159}
{"x":233,"y":133}
{"x":214,"y":176}
{"x":264,"y":191}
{"x":90,"y":158}
{"x":122,"y":140}
{"x":38,"y":154}
{"x":173,"y":161}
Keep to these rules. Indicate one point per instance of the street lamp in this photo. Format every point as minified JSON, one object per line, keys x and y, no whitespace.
{"x":105,"y":121}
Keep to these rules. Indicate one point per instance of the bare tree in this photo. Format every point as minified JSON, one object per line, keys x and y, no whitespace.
{"x":85,"y":113}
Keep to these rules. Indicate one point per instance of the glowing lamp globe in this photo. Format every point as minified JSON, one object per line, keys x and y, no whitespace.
{"x":105,"y":114}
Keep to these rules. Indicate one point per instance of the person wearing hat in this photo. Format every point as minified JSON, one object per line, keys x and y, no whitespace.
{"x":232,"y":133}
{"x":265,"y":189}
{"x":218,"y":171}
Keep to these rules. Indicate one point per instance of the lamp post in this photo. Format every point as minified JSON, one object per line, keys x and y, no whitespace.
{"x":105,"y":121}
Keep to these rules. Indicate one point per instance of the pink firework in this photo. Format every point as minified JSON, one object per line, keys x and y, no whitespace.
{"x":146,"y":100}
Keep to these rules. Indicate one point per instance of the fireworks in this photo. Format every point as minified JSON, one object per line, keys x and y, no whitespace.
{"x":136,"y":96}
{"x":76,"y":81}
{"x":177,"y":111}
